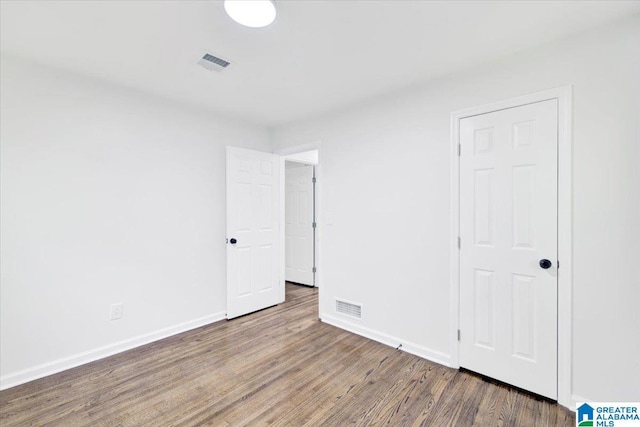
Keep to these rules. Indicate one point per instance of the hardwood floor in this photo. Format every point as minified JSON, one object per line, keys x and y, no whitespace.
{"x":279,"y":366}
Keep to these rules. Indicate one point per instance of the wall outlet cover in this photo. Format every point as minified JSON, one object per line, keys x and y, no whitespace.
{"x":116,"y":311}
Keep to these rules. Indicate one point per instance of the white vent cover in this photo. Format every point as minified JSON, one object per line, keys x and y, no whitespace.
{"x":213,"y":63}
{"x":349,"y":309}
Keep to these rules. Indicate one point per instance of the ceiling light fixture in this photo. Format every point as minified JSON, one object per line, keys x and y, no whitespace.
{"x":251,"y":13}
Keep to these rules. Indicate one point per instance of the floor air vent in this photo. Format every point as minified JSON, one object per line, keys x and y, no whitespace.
{"x":349,"y":309}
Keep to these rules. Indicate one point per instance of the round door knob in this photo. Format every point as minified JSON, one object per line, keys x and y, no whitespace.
{"x":233,"y":241}
{"x":545,"y":263}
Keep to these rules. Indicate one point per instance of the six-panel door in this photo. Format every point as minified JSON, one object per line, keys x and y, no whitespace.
{"x":508,"y":223}
{"x":299,"y":224}
{"x":252,"y":222}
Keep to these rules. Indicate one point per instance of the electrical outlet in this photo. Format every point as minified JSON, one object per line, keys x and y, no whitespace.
{"x":116,"y":311}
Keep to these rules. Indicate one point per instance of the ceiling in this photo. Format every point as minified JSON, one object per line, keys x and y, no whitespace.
{"x":318,"y":55}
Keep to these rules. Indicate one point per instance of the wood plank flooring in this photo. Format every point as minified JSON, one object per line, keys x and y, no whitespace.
{"x":281,"y":367}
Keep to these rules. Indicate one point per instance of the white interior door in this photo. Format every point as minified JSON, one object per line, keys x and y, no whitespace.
{"x":299,"y":216}
{"x":253,"y":189}
{"x":508,"y":225}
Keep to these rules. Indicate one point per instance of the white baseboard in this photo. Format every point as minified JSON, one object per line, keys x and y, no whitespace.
{"x":415,"y":349}
{"x":55,"y":366}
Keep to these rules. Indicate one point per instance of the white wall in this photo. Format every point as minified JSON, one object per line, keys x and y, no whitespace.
{"x":108,"y":195}
{"x":385,"y":169}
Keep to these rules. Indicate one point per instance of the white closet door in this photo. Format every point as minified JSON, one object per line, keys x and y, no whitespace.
{"x":508,"y":229}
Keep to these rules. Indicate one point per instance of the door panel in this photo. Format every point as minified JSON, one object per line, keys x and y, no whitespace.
{"x":483,"y":309}
{"x":299,"y":224}
{"x":508,"y":222}
{"x":252,"y":219}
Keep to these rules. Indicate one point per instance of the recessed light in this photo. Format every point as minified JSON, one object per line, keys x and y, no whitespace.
{"x":251,"y":13}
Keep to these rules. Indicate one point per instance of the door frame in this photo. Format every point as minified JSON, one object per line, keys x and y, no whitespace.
{"x":283,"y":152}
{"x":563,"y":95}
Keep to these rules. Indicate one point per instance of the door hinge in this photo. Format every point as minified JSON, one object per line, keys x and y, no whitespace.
{"x":459,"y":150}
{"x":558,"y":264}
{"x":459,"y":242}
{"x":314,"y":270}
{"x":314,"y":224}
{"x":313,"y":179}
{"x":458,"y":334}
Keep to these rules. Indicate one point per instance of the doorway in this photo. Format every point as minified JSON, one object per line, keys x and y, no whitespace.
{"x":307,"y":158}
{"x":300,"y":223}
{"x":255,"y":205}
{"x":300,"y":218}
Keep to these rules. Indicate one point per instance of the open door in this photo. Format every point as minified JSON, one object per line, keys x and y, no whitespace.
{"x":299,"y":223}
{"x":253,"y":197}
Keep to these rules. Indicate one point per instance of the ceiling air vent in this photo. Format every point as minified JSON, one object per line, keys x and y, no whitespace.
{"x":349,"y":309}
{"x":213,"y":63}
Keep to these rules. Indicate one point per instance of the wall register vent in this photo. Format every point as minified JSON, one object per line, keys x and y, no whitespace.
{"x":349,"y":309}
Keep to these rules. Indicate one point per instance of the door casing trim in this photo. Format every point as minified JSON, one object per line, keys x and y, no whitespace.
{"x":563,"y":95}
